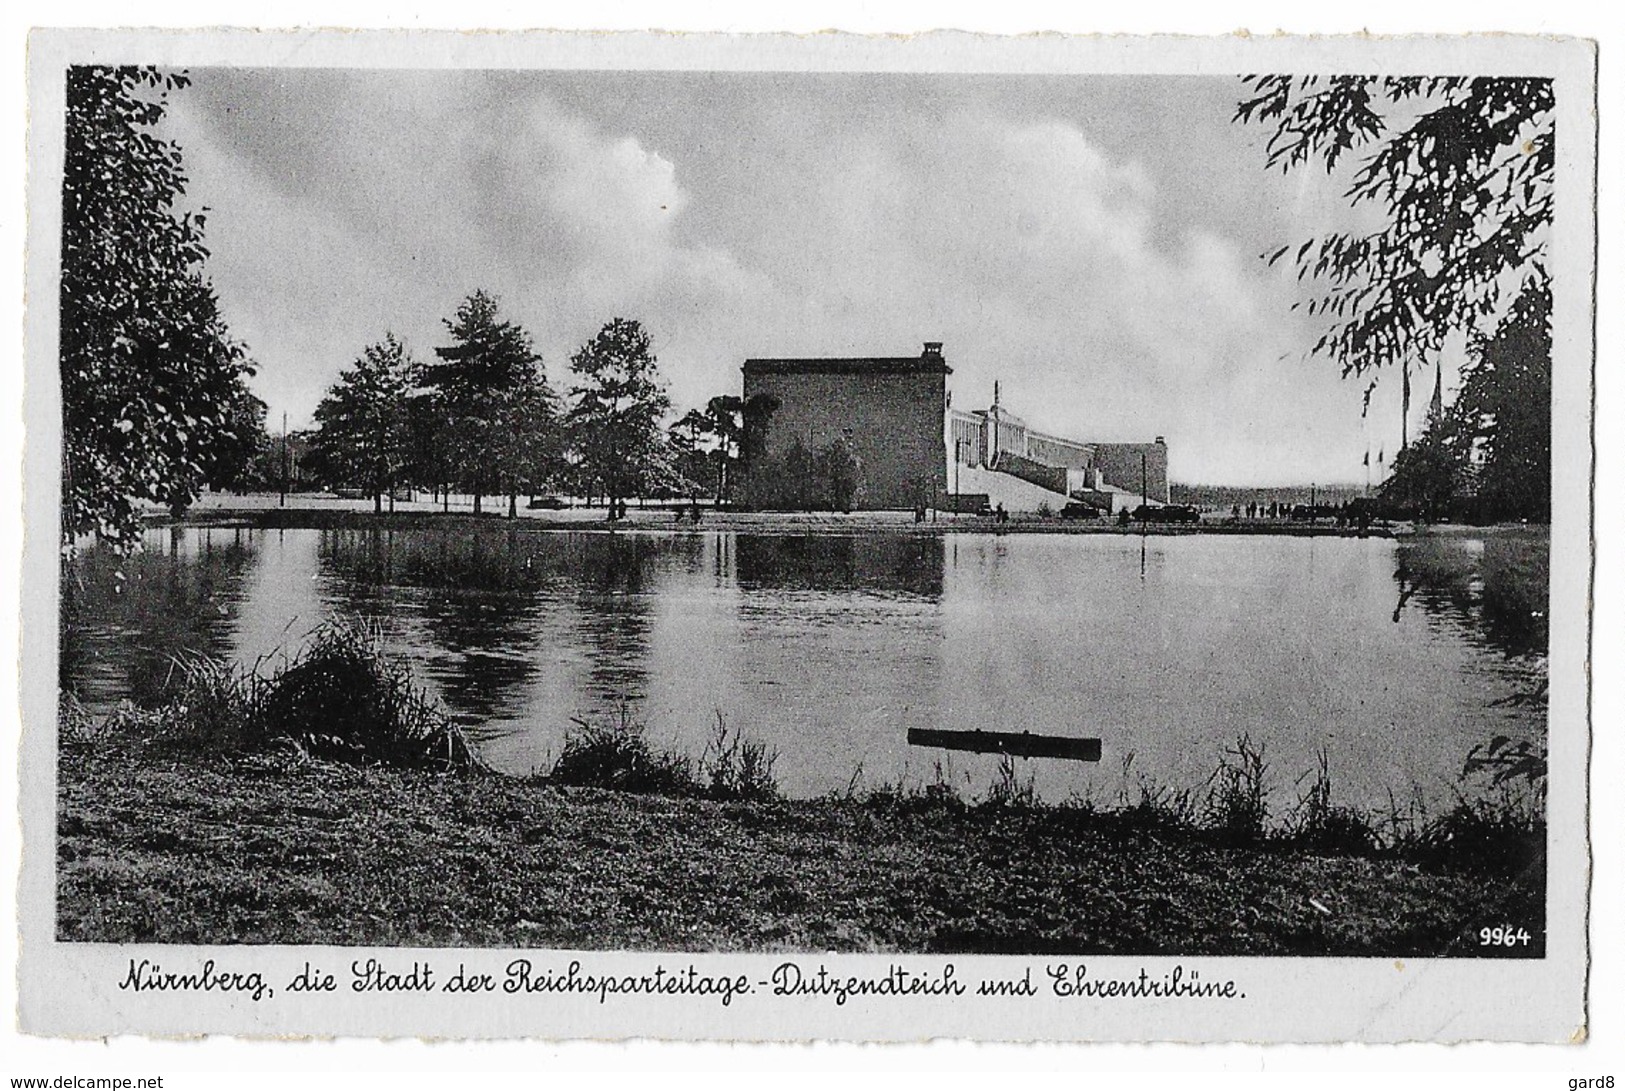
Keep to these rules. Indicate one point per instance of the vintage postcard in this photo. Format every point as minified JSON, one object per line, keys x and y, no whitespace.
{"x":767,"y":537}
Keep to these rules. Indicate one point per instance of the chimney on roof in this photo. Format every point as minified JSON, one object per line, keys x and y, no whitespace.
{"x":933,"y":350}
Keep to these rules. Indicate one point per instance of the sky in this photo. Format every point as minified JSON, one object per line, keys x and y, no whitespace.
{"x":1093,"y":243}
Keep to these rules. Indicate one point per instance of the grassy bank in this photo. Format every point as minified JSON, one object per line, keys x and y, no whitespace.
{"x":286,"y":822}
{"x":280,"y":848}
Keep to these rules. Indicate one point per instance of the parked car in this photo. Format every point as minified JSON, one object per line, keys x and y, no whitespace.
{"x":547,"y":503}
{"x":1168,"y":513}
{"x":1078,"y":509}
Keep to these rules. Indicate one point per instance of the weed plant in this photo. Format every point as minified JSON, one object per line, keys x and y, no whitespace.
{"x":1319,"y":825}
{"x":340,"y":698}
{"x":1008,"y":790}
{"x":1237,"y":807}
{"x":736,"y":767}
{"x":615,"y":753}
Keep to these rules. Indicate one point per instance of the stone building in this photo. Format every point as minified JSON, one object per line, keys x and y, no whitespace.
{"x":893,"y":414}
{"x":887,"y":410}
{"x":996,"y":439}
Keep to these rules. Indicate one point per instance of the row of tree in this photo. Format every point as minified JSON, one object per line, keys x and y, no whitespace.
{"x":155,"y":405}
{"x":482,"y":419}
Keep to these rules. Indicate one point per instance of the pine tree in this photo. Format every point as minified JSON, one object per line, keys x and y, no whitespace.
{"x":363,"y":428}
{"x":617,"y":410}
{"x":495,"y":416}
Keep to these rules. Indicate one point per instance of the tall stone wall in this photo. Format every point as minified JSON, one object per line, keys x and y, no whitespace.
{"x":1120,"y":463}
{"x":967,"y":438}
{"x":1057,"y":451}
{"x":890,"y":411}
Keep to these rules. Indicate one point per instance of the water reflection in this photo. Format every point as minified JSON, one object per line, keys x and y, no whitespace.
{"x":125,"y":620}
{"x":828,"y":648}
{"x":1491,"y":587}
{"x":888,"y":563}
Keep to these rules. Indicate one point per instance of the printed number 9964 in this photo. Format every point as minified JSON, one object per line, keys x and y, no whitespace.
{"x":1502,"y":935}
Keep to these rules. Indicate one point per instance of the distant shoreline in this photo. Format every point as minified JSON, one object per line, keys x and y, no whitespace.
{"x":307,"y":513}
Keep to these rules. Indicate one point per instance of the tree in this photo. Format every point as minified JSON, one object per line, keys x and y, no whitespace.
{"x":618,"y":406}
{"x":243,"y":446}
{"x":691,"y":460}
{"x":153,"y":397}
{"x":1505,"y":404}
{"x":363,"y":435}
{"x":1464,"y":187}
{"x":1431,"y":474}
{"x":528,"y":439}
{"x":726,"y":412}
{"x":797,"y":478}
{"x":494,"y":416}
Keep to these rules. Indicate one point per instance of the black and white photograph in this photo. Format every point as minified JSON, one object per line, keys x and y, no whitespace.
{"x":805,"y":528}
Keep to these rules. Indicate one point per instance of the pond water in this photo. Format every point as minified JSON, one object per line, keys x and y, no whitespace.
{"x":1392,"y":656}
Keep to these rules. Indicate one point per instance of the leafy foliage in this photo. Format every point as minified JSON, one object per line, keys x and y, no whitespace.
{"x":492,"y":417}
{"x":242,"y":447}
{"x":829,"y":478}
{"x":1505,"y":404}
{"x":1460,"y":174}
{"x":153,"y":401}
{"x":619,"y":402}
{"x":1507,"y":761}
{"x":363,"y":425}
{"x":1465,"y":189}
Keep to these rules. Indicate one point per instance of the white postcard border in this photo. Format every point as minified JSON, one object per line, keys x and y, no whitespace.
{"x":71,"y":989}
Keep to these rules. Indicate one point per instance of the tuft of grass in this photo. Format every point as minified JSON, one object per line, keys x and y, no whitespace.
{"x":1237,"y":806}
{"x":340,"y":697}
{"x":1320,"y":826}
{"x":343,"y":698}
{"x":1501,"y":834}
{"x":736,"y":767}
{"x":615,"y":753}
{"x":1008,"y":790}
{"x":1156,"y":805}
{"x":216,"y":708}
{"x":915,"y":797}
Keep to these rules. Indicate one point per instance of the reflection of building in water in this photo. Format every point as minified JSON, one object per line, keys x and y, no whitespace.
{"x":888,"y":564}
{"x":894,"y":414}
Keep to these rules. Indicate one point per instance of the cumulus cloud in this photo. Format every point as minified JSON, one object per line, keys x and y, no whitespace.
{"x":351,"y":203}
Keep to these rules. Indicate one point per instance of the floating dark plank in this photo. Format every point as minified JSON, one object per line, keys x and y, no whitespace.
{"x":1022,"y":745}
